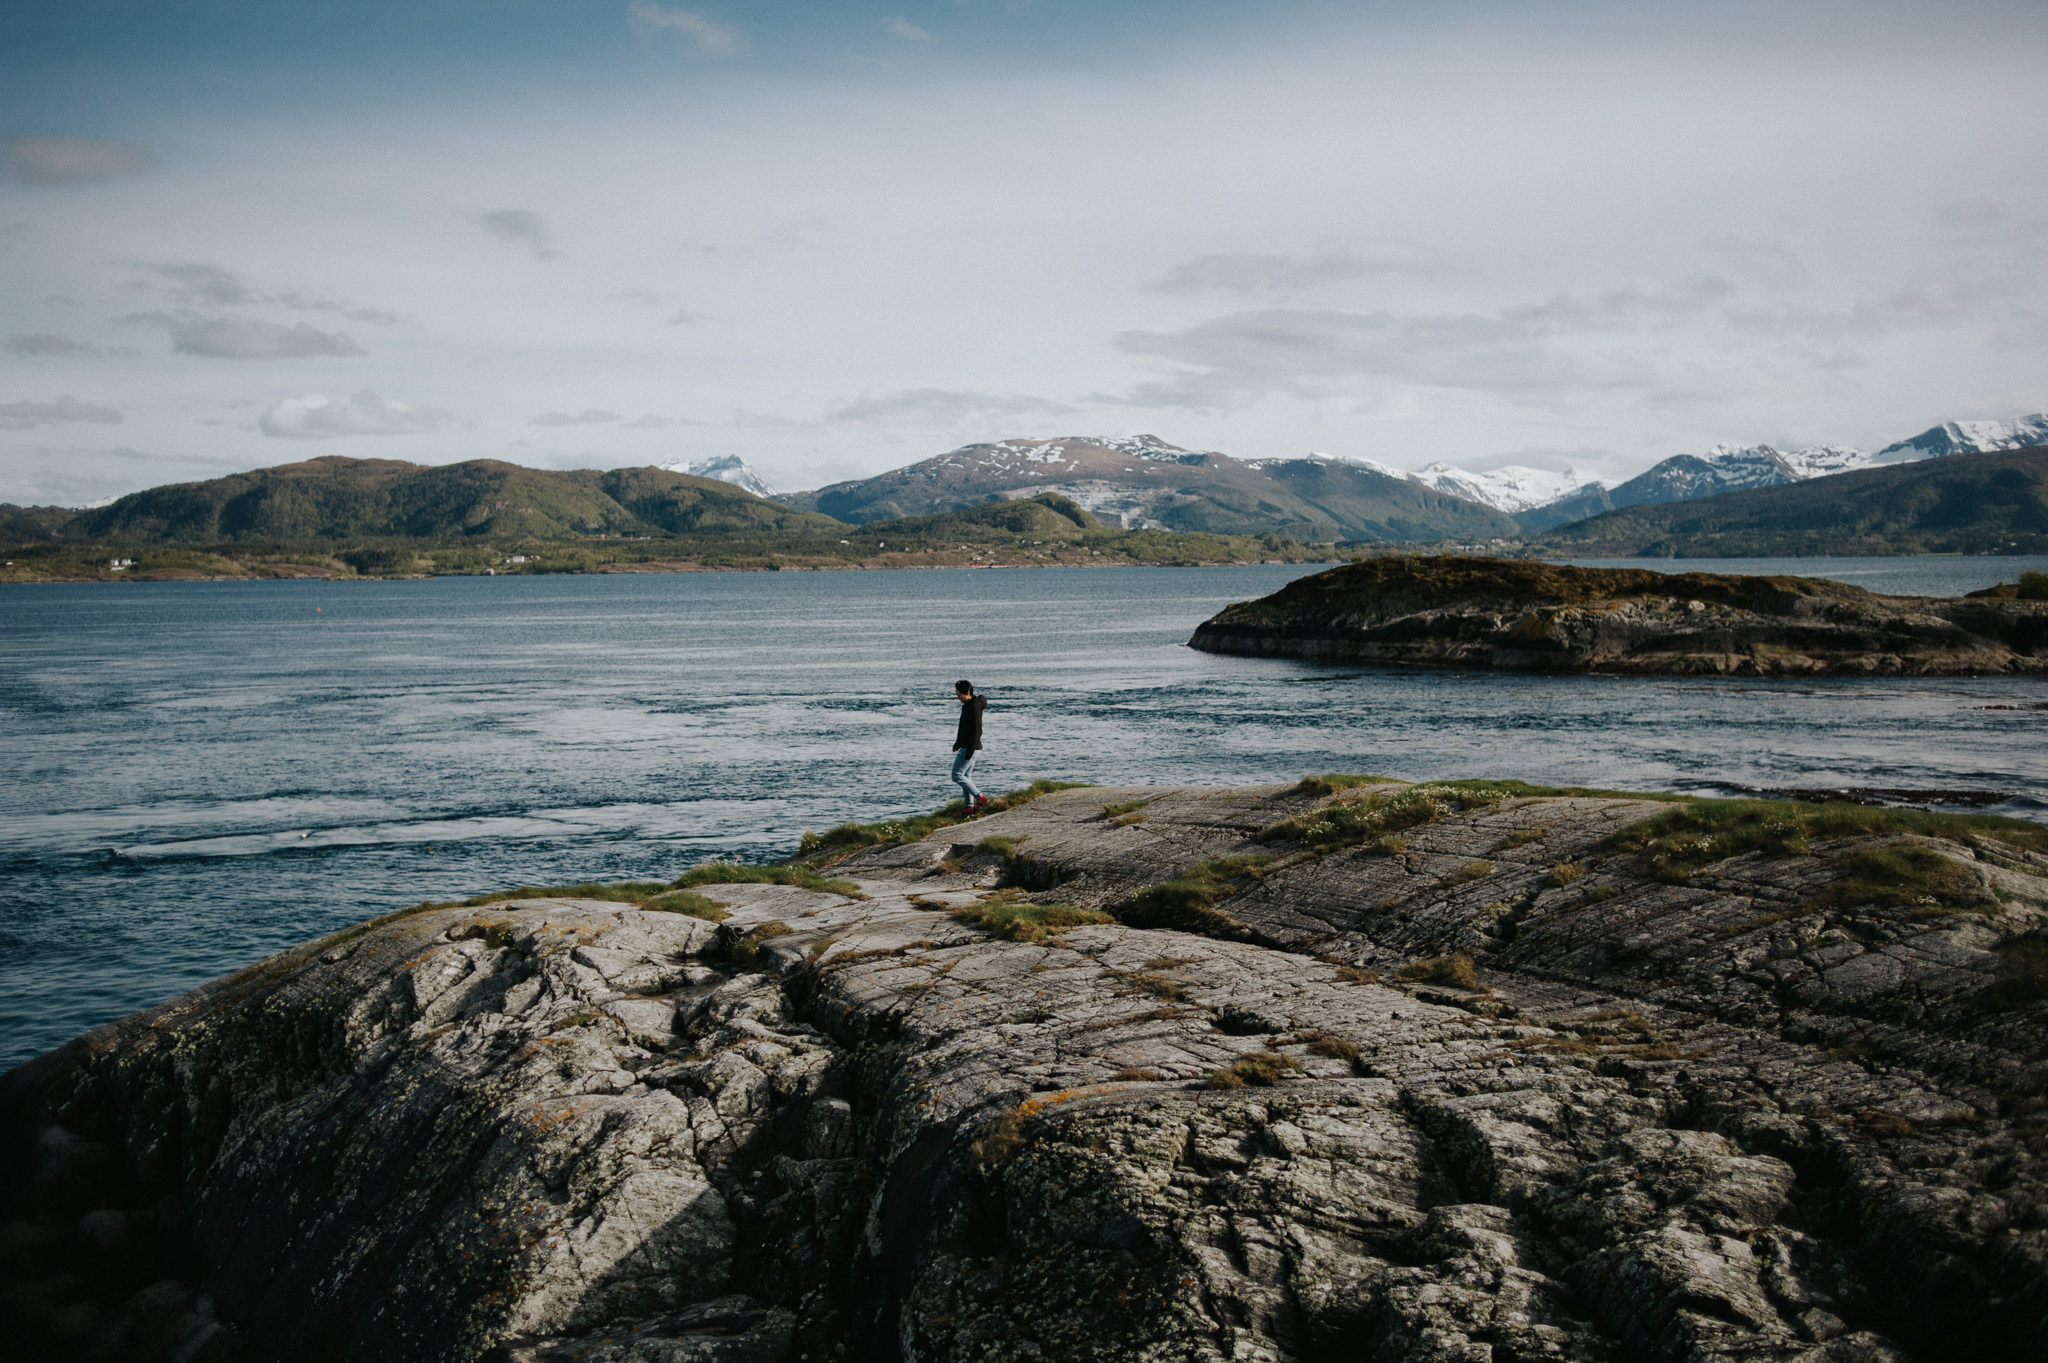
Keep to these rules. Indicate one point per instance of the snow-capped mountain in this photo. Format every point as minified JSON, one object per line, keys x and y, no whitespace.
{"x":1968,"y":437}
{"x":1513,"y":488}
{"x":726,"y":468}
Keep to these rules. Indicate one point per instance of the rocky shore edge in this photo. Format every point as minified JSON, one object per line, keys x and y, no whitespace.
{"x":1515,"y":615}
{"x":1347,"y":1069}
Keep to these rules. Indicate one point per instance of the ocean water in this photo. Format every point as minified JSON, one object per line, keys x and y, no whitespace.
{"x":196,"y":775}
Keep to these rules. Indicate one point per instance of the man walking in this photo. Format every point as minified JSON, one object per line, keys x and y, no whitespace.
{"x":967,"y":743}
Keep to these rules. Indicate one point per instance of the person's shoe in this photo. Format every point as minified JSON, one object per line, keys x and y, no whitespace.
{"x":980,"y":803}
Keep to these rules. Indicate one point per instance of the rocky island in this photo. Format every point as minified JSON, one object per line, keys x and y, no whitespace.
{"x":1547,"y":617}
{"x":1350,"y":1069}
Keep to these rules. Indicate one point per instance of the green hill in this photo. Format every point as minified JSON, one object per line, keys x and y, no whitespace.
{"x":336,"y":499}
{"x":1958,"y":504}
{"x":338,"y":517}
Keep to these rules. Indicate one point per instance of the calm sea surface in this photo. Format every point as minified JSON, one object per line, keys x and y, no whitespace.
{"x":195,"y":775}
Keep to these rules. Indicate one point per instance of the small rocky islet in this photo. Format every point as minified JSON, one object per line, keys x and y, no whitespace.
{"x":1350,"y":1069}
{"x":1523,"y":615}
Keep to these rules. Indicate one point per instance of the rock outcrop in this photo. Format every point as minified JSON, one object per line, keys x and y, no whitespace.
{"x":1544,"y":617}
{"x":1384,"y":1072}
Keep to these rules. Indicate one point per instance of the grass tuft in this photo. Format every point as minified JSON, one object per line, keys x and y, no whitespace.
{"x":1671,"y":846}
{"x":1466,"y":874}
{"x":1253,"y":1071}
{"x":1016,"y":922}
{"x":1455,"y":970}
{"x":1924,"y":881}
{"x":1565,"y":872}
{"x":1188,"y":901}
{"x":1329,"y":783}
{"x":734,"y":873}
{"x":1362,"y":821}
{"x":746,"y":950}
{"x":847,"y":838}
{"x":643,"y":894}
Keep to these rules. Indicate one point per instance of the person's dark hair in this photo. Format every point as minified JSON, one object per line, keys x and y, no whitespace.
{"x":963,"y":685}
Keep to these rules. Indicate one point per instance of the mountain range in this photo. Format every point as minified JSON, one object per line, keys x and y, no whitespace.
{"x":1142,"y":481}
{"x":1988,"y":502}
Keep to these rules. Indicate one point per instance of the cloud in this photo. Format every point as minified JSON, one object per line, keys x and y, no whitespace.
{"x":47,"y":343}
{"x":1592,"y":308}
{"x":517,"y":224}
{"x":243,"y":338}
{"x":589,"y":416}
{"x":651,"y":422}
{"x":204,"y":285}
{"x":1258,"y":273}
{"x":647,"y":296}
{"x":67,"y":160}
{"x":684,"y":317}
{"x":1928,"y":304}
{"x":940,"y":408}
{"x":1313,"y":353}
{"x":21,"y":416}
{"x":904,"y":29}
{"x":744,"y":420}
{"x":1763,"y":259}
{"x":651,"y":23}
{"x":314,"y":417}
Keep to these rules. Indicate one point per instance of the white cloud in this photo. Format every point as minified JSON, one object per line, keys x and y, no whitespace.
{"x":204,"y":285}
{"x":67,"y":160}
{"x":647,"y":296}
{"x":522,"y":226}
{"x":243,"y":338}
{"x":651,"y":422}
{"x":940,"y":408}
{"x":1928,"y":304}
{"x":1246,"y":273}
{"x":315,"y":417}
{"x":21,"y":416}
{"x":47,"y":343}
{"x":589,"y":416}
{"x":1595,"y":308}
{"x":902,"y":28}
{"x":684,"y":317}
{"x":1318,"y":353}
{"x":1766,"y":260}
{"x":651,"y":22}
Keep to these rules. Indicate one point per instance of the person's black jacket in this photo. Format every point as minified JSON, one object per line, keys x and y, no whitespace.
{"x":969,"y":735}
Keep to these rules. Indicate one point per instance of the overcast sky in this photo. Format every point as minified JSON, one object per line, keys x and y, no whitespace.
{"x":834,"y":238}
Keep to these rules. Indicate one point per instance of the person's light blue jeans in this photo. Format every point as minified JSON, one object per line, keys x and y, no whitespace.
{"x":963,"y":773}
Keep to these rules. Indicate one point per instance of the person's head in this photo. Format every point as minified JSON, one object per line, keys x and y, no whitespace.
{"x":964,"y":689}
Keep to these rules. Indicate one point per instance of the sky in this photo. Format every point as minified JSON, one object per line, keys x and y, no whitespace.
{"x":836,"y":238}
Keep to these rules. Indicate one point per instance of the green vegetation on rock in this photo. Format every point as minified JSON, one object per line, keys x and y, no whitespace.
{"x":1016,"y":921}
{"x":844,"y":838}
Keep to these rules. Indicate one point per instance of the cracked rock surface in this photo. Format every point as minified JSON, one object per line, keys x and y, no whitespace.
{"x":1740,"y":1115}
